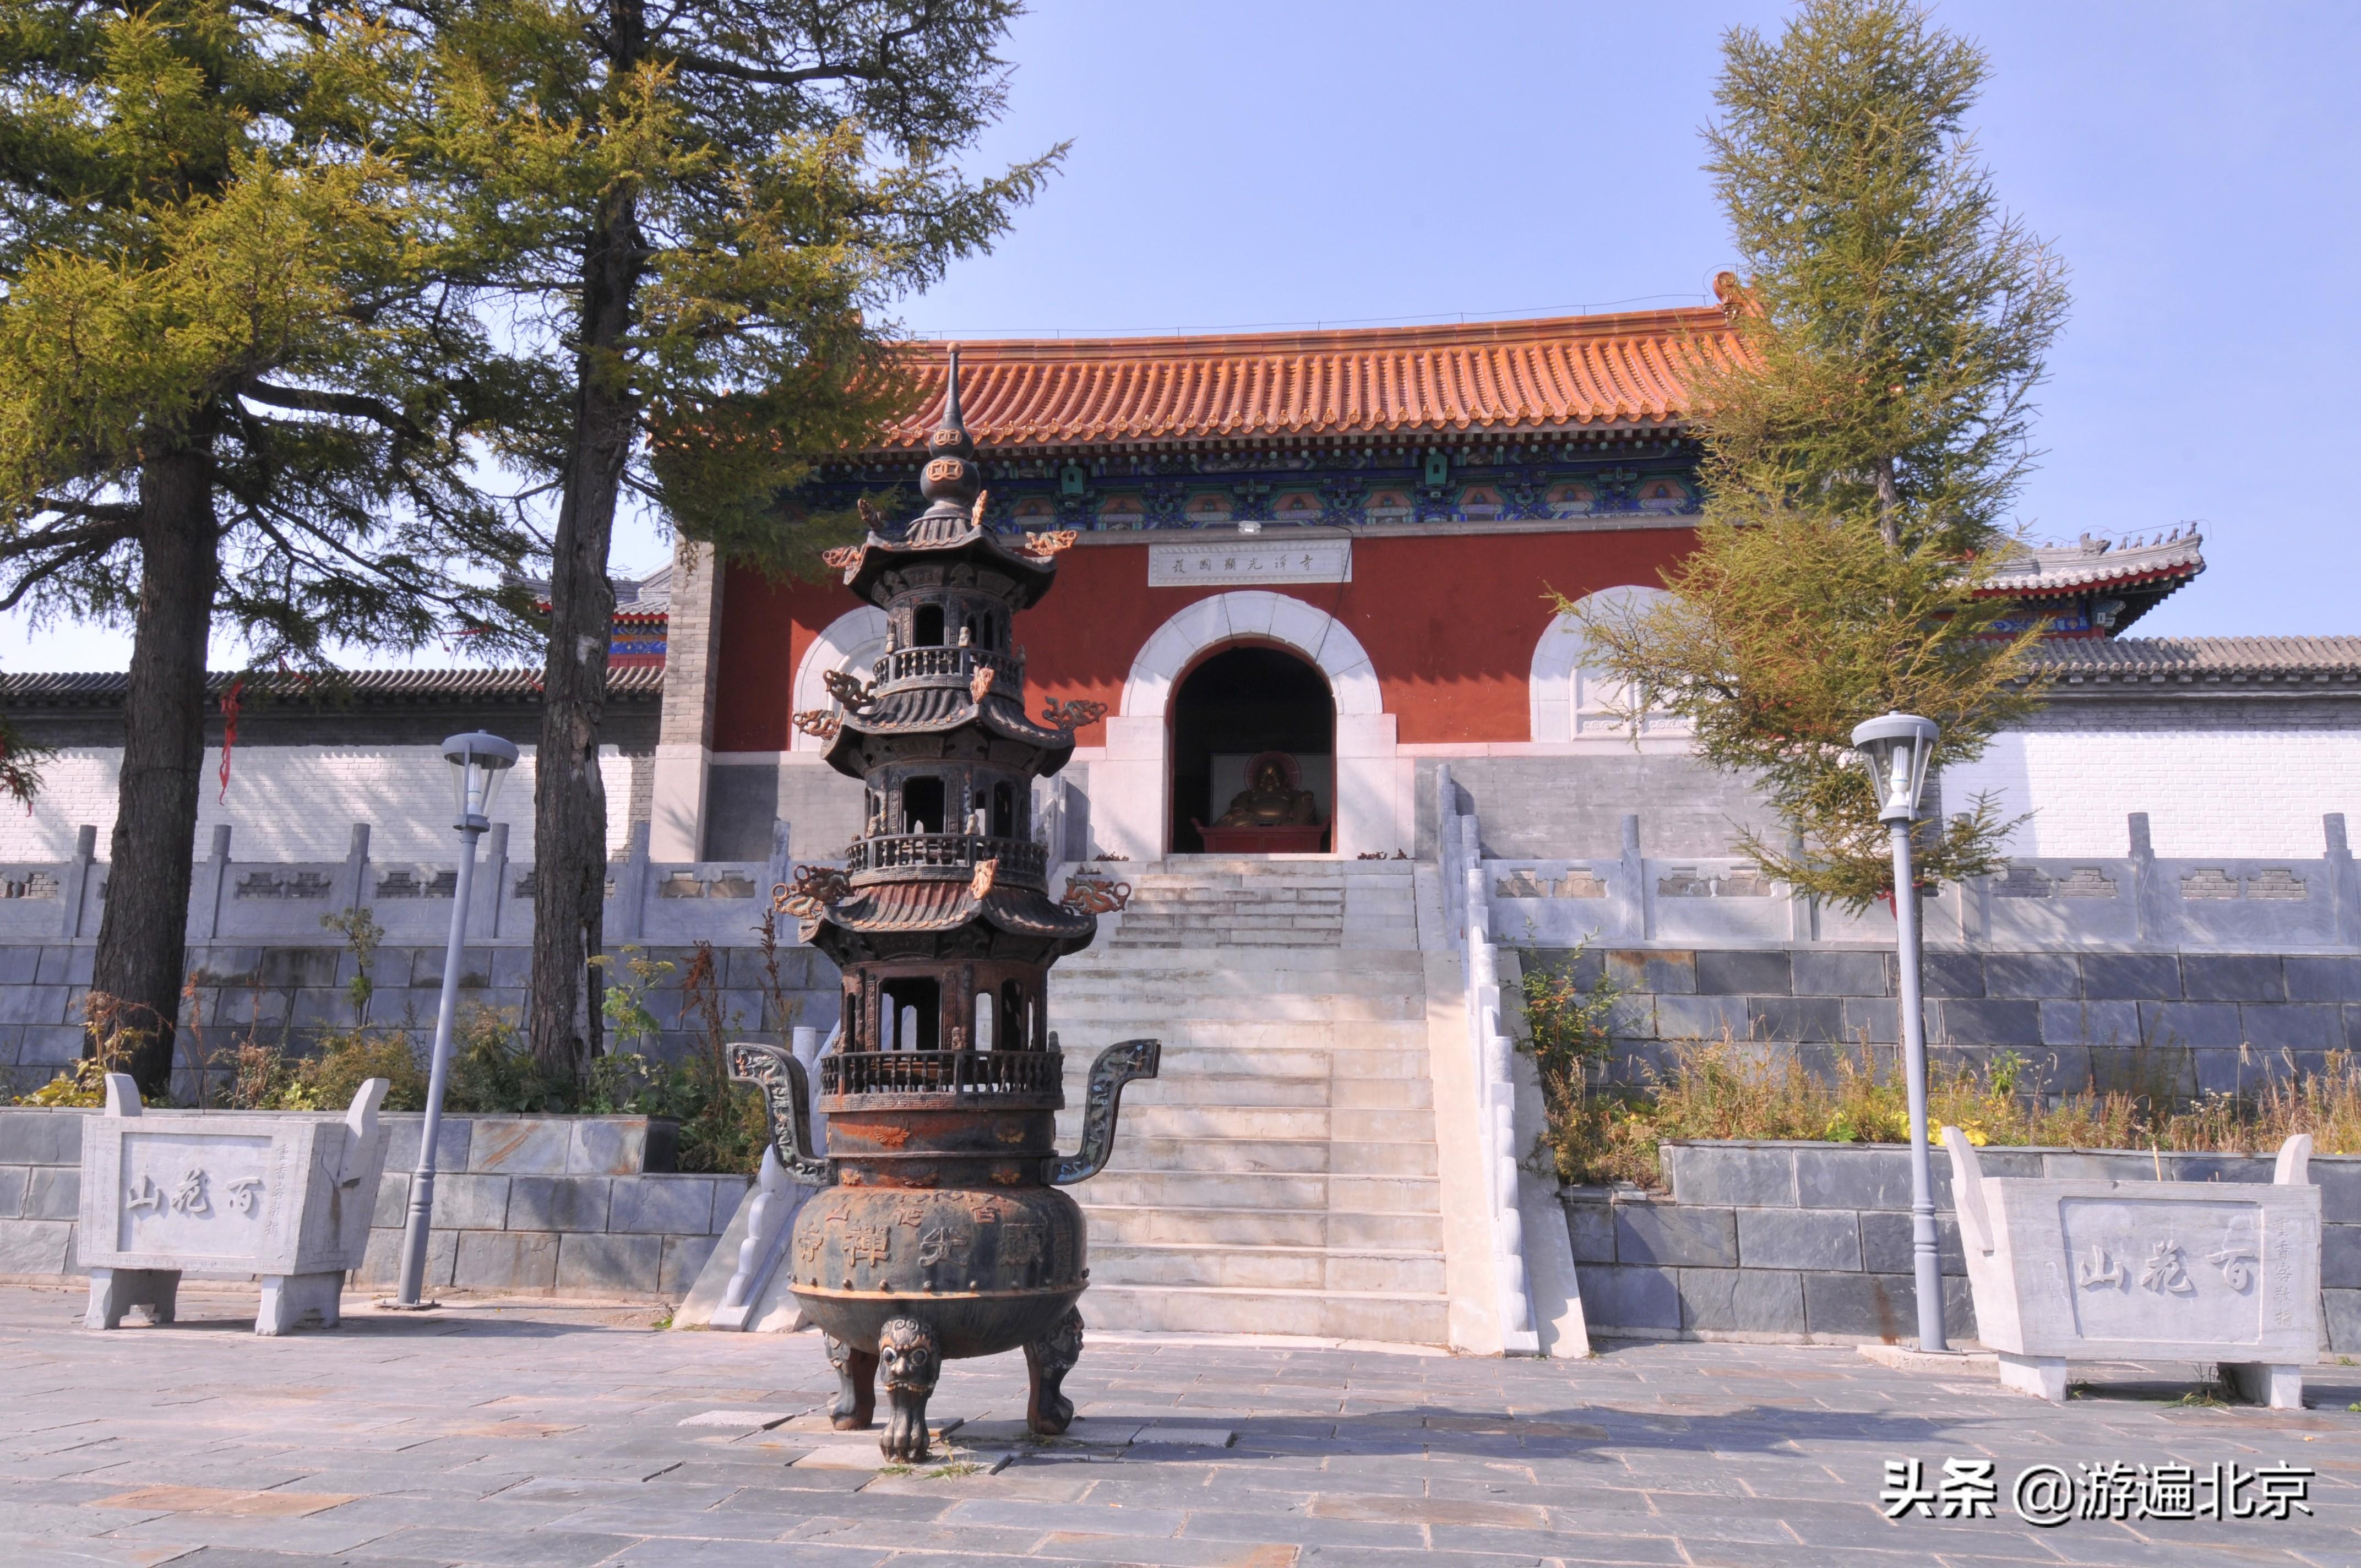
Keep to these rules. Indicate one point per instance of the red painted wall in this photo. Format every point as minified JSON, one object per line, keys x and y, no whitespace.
{"x":1449,"y":622}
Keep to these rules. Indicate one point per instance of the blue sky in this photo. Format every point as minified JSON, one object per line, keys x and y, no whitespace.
{"x":1297,"y":162}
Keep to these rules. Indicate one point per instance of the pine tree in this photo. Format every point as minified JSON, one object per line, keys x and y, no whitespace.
{"x":235,"y":368}
{"x":1862,"y":450}
{"x":694,"y":216}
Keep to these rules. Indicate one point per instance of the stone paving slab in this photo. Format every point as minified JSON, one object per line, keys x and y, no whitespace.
{"x":545,"y":1434}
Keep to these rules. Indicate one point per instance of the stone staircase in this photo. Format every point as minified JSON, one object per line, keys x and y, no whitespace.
{"x":1206,"y":900}
{"x":1280,"y":1175}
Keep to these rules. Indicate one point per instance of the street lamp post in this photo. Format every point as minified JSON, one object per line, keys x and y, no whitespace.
{"x":1898,"y":749}
{"x":478,"y":761}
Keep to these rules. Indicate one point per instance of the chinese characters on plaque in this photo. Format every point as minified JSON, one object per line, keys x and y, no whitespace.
{"x":1249,"y":559}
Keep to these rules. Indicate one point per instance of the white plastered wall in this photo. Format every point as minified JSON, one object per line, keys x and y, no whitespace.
{"x":2206,"y":792}
{"x":1129,"y":787}
{"x":298,"y":803}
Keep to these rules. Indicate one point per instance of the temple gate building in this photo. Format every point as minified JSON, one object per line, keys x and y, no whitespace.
{"x":1335,"y":544}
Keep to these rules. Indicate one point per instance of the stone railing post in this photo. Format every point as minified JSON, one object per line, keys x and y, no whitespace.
{"x":1802,"y":911}
{"x":211,"y":888}
{"x":1633,"y":906}
{"x":1446,"y":851}
{"x":631,"y":912}
{"x":76,"y":889}
{"x":493,"y":890}
{"x":355,"y":887}
{"x":2344,"y":885}
{"x":781,"y":866}
{"x":2158,"y":906}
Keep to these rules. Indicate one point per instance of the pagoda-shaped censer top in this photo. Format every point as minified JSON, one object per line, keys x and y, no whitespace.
{"x":939,"y":1232}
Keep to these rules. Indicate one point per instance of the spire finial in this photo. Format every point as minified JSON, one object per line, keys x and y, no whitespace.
{"x":952,"y":420}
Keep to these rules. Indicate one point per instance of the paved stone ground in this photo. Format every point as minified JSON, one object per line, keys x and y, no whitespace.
{"x":537,"y":1434}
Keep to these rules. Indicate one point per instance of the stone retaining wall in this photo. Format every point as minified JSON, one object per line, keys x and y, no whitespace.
{"x":284,"y":995}
{"x":1791,"y":1241}
{"x":2178,"y":1023}
{"x":554,"y":1205}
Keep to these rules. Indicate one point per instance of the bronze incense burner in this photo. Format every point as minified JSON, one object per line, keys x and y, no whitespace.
{"x":939,"y":1232}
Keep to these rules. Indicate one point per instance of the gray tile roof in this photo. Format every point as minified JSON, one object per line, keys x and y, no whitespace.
{"x":105,"y":689}
{"x":2212,"y":660}
{"x":2092,"y":562}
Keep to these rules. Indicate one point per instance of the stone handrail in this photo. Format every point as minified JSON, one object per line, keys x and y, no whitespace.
{"x":1493,"y":1057}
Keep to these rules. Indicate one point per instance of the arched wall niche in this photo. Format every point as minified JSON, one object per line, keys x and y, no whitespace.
{"x":1568,"y":701}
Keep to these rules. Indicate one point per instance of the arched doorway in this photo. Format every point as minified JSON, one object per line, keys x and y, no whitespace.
{"x":1239,"y":701}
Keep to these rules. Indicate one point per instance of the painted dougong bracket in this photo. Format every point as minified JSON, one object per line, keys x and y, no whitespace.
{"x":1117,"y":1065}
{"x":786,"y":1105}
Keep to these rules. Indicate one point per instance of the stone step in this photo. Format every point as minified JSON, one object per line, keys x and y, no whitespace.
{"x":1191,"y":1050}
{"x":1247,"y":1008}
{"x":1143,"y":1117}
{"x":1361,"y":1070}
{"x":1267,"y":1267}
{"x":1140,"y":1225}
{"x":1150,"y":941}
{"x":1382,"y":1316}
{"x":1286,"y":1156}
{"x":1190,"y":893}
{"x":1410,"y":967}
{"x":1249,"y":1189}
{"x":1182,"y":1084}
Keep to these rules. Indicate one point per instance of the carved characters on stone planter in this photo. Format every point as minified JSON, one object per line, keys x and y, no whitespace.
{"x":2236,"y":1264}
{"x":2099,"y":1270}
{"x":2164,"y":1270}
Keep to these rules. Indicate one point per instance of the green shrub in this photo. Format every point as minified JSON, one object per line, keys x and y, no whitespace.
{"x":350,"y":1058}
{"x":1730,"y":1089}
{"x":493,"y":1072}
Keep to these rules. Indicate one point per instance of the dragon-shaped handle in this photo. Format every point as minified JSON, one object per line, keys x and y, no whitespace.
{"x":1117,"y":1065}
{"x":786,"y":1106}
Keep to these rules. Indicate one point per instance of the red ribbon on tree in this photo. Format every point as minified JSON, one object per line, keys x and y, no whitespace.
{"x":229,"y":730}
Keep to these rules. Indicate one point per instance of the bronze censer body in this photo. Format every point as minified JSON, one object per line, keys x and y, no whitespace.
{"x":939,"y":1232}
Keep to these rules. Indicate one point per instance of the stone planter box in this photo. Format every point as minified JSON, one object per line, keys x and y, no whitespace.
{"x":2100,"y":1269}
{"x":285,"y":1196}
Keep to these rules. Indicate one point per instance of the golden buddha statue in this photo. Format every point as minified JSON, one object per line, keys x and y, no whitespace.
{"x":1272,"y":800}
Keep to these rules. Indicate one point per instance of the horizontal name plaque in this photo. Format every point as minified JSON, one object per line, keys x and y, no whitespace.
{"x":1246,"y":558}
